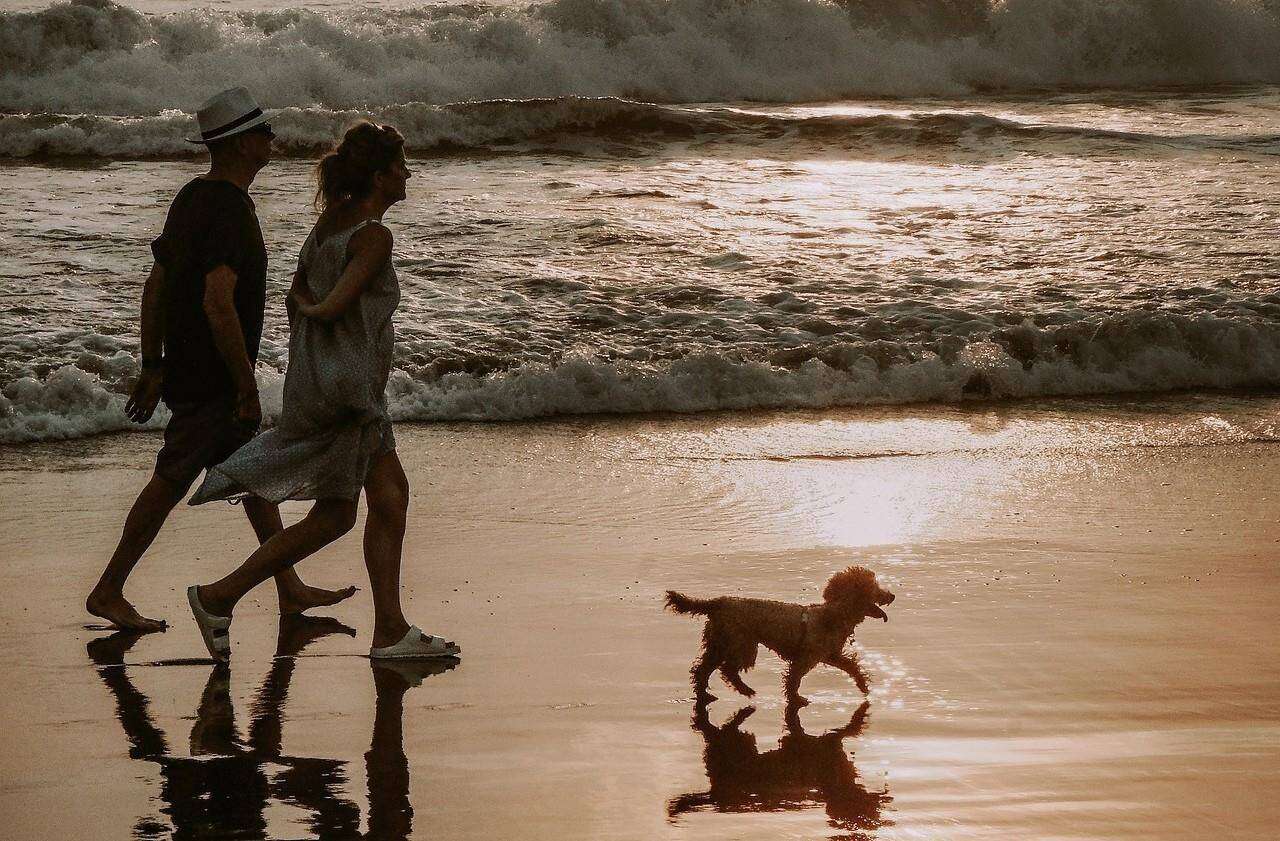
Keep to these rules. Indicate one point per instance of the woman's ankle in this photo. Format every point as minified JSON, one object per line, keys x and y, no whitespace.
{"x":389,"y":632}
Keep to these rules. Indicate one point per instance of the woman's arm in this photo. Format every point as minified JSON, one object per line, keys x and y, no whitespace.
{"x":370,"y":249}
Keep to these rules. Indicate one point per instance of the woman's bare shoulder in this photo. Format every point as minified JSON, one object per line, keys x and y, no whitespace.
{"x":374,"y":238}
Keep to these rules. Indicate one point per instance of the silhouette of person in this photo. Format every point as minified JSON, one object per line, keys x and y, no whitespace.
{"x":224,"y":788}
{"x":200,"y":329}
{"x":802,"y":772}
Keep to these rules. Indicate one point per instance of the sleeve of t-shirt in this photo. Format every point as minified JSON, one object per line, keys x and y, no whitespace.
{"x":162,"y":246}
{"x":219,"y":241}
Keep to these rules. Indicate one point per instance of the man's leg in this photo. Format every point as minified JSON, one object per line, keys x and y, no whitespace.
{"x":294,"y":596}
{"x":142,"y":525}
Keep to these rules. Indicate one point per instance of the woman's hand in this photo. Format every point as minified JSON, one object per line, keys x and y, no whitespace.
{"x":299,"y":303}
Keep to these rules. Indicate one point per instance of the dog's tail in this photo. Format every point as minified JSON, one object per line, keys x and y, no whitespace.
{"x":680,"y":603}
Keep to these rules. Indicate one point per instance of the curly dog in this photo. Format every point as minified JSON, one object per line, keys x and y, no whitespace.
{"x":803,"y":635}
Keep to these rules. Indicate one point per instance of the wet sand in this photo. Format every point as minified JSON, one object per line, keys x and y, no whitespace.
{"x":1083,"y":644}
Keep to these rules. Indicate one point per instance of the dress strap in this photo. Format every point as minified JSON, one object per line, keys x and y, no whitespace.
{"x":359,"y":226}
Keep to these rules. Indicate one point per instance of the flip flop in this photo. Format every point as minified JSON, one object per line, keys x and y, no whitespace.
{"x":214,"y":630}
{"x":416,"y":646}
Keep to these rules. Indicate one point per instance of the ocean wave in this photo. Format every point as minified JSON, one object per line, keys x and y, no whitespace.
{"x":580,"y":125}
{"x":94,"y":57}
{"x":1123,"y":353}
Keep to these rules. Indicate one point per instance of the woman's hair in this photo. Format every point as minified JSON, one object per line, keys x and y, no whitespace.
{"x":346,"y":173}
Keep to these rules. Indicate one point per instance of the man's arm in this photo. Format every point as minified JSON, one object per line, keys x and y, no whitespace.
{"x":146,"y":391}
{"x":224,"y":323}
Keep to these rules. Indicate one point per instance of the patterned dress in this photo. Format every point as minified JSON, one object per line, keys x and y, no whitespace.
{"x":334,"y":419}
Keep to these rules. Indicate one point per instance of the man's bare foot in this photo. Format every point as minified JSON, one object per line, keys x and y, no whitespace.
{"x":308,"y":597}
{"x":116,"y":609}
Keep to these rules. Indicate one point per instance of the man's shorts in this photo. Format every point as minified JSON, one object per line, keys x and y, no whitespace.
{"x":199,"y":435}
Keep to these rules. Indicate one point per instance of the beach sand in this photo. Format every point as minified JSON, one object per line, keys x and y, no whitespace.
{"x":1083,"y":643}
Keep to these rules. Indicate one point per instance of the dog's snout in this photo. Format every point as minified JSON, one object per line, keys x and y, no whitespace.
{"x":888,"y":597}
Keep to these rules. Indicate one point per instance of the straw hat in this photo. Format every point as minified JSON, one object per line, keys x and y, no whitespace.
{"x":229,"y":113}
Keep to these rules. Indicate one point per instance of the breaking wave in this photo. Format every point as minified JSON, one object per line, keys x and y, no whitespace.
{"x":1135,"y":352}
{"x":94,"y":57}
{"x":603,"y":125}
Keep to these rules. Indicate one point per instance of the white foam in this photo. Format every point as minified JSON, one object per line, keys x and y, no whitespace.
{"x":1137,"y":352}
{"x":73,"y":402}
{"x":599,"y":124}
{"x":1208,"y":353}
{"x":94,"y":57}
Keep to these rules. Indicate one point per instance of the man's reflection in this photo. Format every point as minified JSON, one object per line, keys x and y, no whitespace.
{"x":224,"y":788}
{"x":803,"y":771}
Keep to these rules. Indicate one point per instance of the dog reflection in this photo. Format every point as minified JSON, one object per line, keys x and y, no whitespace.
{"x":803,"y":771}
{"x":224,"y":788}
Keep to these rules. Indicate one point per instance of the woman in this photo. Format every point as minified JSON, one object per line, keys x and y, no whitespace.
{"x":334,"y":436}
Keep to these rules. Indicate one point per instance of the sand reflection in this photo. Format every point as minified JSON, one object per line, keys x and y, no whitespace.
{"x":225,"y":787}
{"x":804,"y":771}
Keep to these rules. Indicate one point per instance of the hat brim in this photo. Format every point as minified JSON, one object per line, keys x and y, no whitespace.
{"x":240,"y":129}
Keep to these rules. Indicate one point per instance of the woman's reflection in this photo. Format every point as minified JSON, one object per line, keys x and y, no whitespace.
{"x":224,"y":788}
{"x":802,"y":772}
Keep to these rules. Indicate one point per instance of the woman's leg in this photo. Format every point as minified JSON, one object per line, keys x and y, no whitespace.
{"x":294,"y":596}
{"x":327,"y":520}
{"x":386,"y":491}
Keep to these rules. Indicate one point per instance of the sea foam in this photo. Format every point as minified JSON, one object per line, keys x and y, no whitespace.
{"x":1134,"y":352}
{"x":94,"y":57}
{"x":606,"y":125}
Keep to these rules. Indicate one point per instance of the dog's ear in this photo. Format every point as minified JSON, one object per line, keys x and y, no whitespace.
{"x":854,"y":583}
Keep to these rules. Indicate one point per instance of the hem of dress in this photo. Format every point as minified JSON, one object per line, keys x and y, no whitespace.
{"x":235,"y":493}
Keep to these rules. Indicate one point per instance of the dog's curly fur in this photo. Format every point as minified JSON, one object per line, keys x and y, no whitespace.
{"x":803,"y":635}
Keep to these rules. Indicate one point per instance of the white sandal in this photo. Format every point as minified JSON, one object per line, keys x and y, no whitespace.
{"x":214,"y":630}
{"x":416,"y":645}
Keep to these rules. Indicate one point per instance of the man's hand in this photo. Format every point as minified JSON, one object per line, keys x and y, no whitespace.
{"x":145,"y":396}
{"x":249,"y":411}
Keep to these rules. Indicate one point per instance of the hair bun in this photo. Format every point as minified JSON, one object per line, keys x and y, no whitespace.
{"x":346,"y":173}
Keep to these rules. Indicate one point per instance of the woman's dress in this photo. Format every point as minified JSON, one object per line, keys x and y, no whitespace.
{"x":334,"y":419}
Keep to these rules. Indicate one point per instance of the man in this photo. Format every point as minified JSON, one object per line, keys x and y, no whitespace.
{"x":202,"y":310}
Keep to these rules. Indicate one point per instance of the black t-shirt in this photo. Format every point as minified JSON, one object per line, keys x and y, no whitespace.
{"x":210,"y":223}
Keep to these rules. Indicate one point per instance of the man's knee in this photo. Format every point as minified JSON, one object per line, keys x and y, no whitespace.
{"x":160,"y":495}
{"x":152,"y":507}
{"x":256,"y":506}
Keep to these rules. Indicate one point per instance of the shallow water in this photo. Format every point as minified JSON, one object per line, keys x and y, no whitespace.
{"x":649,"y":207}
{"x":728,"y":273}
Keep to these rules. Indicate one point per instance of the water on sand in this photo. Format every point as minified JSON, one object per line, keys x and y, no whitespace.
{"x":1080,"y":648}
